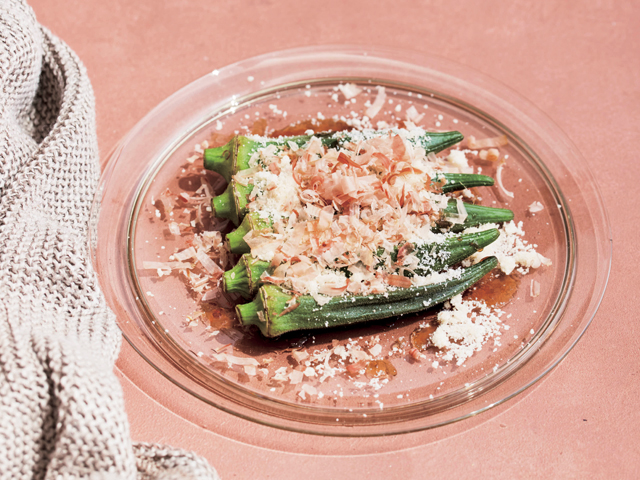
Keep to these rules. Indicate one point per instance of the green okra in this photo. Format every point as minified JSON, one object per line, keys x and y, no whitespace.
{"x":236,"y":154}
{"x":276,"y":312}
{"x":232,"y":203}
{"x":436,"y":256}
{"x":452,"y":182}
{"x":476,"y":215}
{"x":229,"y":159}
{"x":251,"y":221}
{"x":245,"y":277}
{"x":434,"y":142}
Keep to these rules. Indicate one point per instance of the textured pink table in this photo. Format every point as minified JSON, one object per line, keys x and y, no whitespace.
{"x":578,"y":64}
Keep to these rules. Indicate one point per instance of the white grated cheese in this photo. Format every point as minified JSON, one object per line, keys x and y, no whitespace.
{"x":458,"y":160}
{"x":464,"y":328}
{"x":510,"y":249}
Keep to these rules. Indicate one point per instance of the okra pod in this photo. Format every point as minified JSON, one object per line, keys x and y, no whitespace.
{"x":436,"y":256}
{"x":476,"y":215}
{"x":452,"y":182}
{"x":245,"y":277}
{"x":232,"y":203}
{"x":235,"y":155}
{"x":251,"y":221}
{"x":275,"y":311}
{"x":229,"y":159}
{"x":434,"y":142}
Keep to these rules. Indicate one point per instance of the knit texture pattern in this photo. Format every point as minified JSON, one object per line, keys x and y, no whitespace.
{"x":61,"y":408}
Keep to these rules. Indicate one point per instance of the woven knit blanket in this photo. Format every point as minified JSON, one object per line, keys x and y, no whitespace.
{"x":61,"y":408}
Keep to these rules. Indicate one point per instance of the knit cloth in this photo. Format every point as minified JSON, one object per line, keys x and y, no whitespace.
{"x":61,"y":408}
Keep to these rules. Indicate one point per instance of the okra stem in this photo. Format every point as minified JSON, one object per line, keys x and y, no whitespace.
{"x":235,"y":280}
{"x":251,"y":221}
{"x":271,"y":310}
{"x":232,"y":203}
{"x":220,"y":159}
{"x":223,"y":205}
{"x":245,"y":277}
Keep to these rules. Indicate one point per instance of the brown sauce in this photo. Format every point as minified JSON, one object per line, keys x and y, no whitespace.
{"x":259,"y":127}
{"x":219,"y":318}
{"x":421,"y":337}
{"x":496,"y":290}
{"x":380,"y":369}
{"x":219,"y":139}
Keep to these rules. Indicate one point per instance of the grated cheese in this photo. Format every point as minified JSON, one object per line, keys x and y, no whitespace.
{"x":511,"y":250}
{"x":464,"y":327}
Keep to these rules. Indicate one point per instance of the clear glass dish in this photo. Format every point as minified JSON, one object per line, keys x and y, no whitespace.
{"x":275,"y":91}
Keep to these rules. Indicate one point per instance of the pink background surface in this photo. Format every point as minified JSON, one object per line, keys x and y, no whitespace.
{"x":580,"y":65}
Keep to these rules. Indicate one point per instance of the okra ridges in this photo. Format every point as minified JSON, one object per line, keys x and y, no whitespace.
{"x":476,"y":215}
{"x":220,"y":160}
{"x":224,"y":205}
{"x":235,"y":238}
{"x":460,"y":181}
{"x":276,"y":312}
{"x":236,"y":281}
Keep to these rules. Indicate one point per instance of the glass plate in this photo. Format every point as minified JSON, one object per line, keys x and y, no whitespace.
{"x":300,"y":86}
